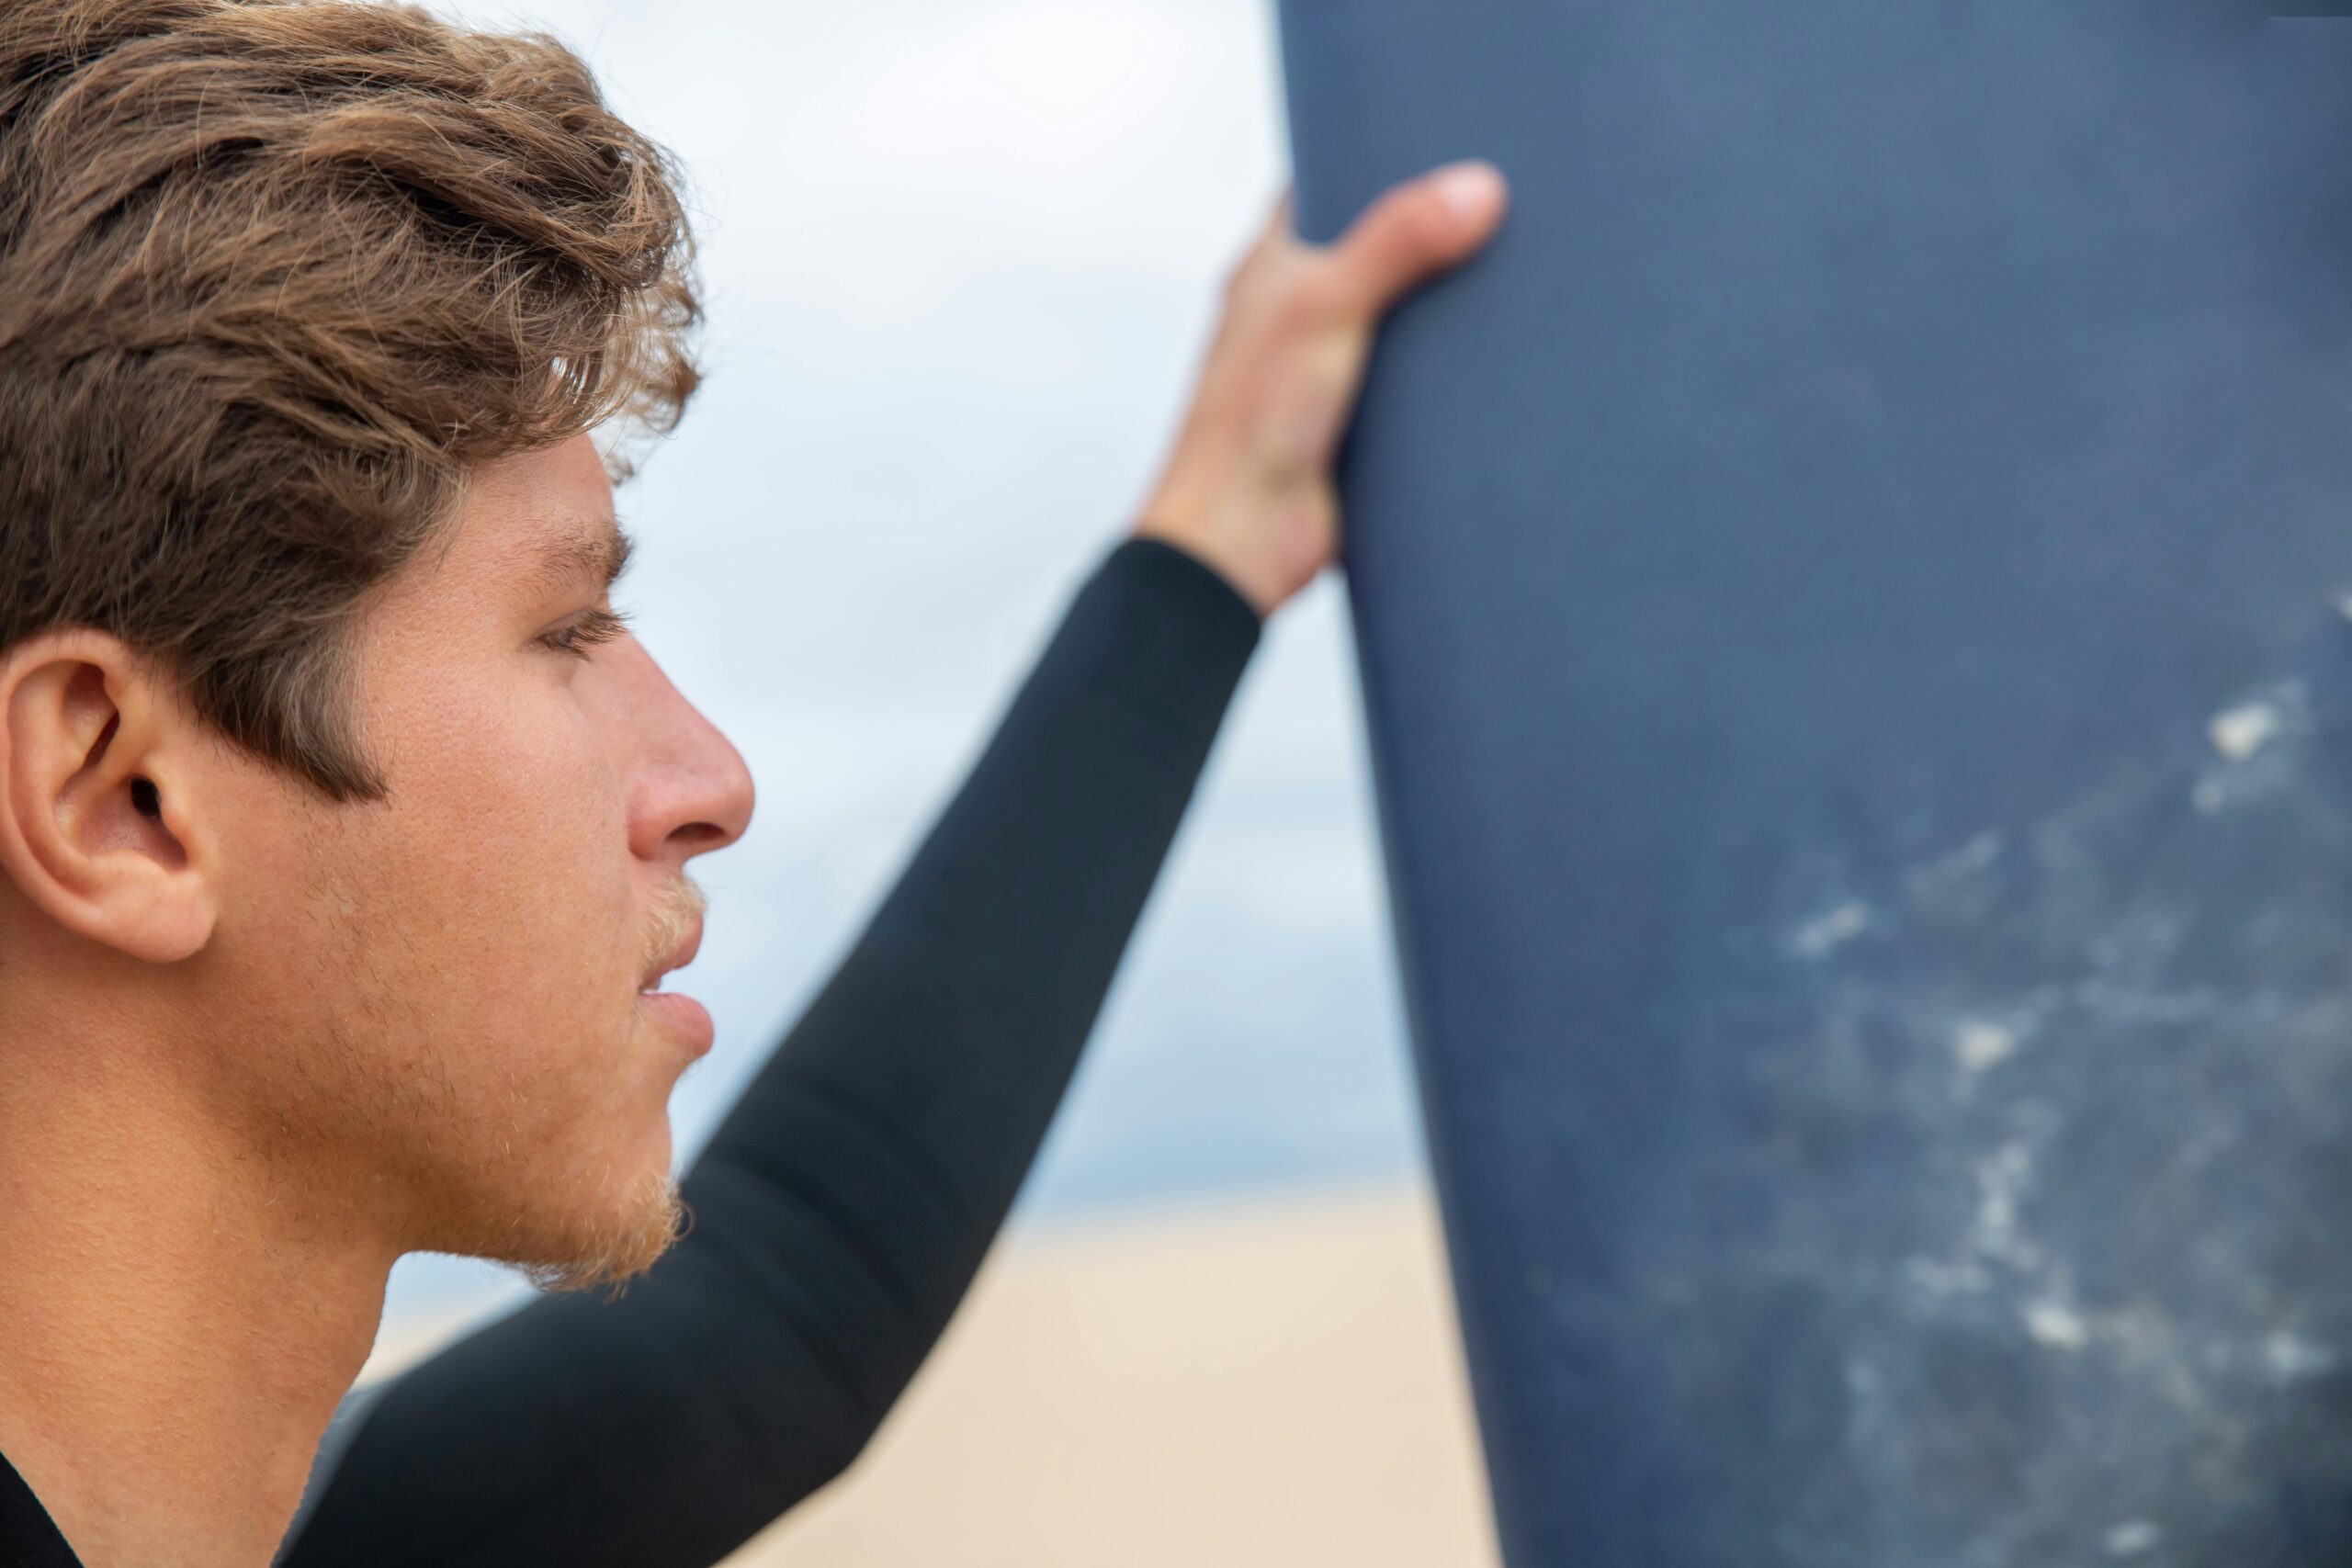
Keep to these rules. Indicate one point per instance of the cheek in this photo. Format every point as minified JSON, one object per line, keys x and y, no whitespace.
{"x":452,"y":968}
{"x":515,"y":874}
{"x":493,"y":935}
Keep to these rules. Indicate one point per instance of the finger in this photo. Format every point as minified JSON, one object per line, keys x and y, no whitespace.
{"x":1416,"y":229}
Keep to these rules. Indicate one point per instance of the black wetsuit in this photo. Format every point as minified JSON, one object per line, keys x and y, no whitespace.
{"x":842,"y":1207}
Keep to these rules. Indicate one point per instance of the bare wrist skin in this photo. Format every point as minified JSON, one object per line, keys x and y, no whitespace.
{"x":1248,"y":486}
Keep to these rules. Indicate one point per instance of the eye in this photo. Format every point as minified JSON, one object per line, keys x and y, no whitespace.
{"x":586,"y":630}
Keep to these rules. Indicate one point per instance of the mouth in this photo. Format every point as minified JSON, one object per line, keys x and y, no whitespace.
{"x":680,"y":1017}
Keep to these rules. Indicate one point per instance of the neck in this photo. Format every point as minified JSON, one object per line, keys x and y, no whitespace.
{"x":182,"y":1310}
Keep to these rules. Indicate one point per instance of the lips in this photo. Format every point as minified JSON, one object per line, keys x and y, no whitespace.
{"x":680,"y":1017}
{"x":683,"y":1019}
{"x":677,"y":958}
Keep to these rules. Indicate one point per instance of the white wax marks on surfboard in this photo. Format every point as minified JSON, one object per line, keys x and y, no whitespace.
{"x":1829,"y":930}
{"x":2035,"y":997}
{"x":1980,"y":1044}
{"x":2248,"y":744}
{"x":2238,"y":733}
{"x":1842,"y":920}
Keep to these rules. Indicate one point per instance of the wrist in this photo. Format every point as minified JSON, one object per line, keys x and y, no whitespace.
{"x":1235,"y":567}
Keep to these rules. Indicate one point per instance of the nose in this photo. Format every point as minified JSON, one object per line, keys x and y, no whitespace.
{"x":689,"y":791}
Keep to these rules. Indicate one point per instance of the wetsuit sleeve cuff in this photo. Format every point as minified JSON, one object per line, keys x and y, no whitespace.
{"x":1184,"y":633}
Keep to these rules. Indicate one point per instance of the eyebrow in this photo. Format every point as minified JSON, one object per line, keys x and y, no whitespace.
{"x":598,"y":556}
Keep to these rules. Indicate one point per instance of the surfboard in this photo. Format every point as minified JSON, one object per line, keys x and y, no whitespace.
{"x":1850,"y":594}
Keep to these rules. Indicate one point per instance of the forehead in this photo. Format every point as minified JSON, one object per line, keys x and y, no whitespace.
{"x":535,"y":521}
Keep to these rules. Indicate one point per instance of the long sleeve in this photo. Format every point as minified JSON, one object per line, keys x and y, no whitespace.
{"x":844,"y":1204}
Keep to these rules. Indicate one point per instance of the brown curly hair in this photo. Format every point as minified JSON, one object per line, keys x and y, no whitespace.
{"x":274,"y":276}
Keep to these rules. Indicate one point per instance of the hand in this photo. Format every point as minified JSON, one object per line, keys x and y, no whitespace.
{"x":1247,"y":488}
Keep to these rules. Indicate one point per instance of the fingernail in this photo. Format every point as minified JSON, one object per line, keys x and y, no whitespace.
{"x":1471,"y":189}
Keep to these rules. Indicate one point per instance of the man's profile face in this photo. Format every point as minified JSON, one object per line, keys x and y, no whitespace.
{"x":442,"y":990}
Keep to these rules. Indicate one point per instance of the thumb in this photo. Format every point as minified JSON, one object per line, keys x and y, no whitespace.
{"x":1415,"y":230}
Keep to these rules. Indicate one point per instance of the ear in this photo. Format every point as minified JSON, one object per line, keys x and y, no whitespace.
{"x":96,"y":766}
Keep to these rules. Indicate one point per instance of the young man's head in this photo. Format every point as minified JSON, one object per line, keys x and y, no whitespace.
{"x":335,"y":807}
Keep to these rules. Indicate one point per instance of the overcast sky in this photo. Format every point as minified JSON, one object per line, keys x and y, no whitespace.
{"x":962,"y":259}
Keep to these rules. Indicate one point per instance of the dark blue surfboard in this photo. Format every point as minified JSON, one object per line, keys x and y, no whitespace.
{"x":1852,"y":598}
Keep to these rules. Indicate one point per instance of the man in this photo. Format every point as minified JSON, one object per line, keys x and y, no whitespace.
{"x":344,"y":827}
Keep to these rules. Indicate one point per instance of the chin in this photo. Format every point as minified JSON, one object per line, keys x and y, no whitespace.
{"x":614,"y":1248}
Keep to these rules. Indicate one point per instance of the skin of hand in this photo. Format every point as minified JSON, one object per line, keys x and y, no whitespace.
{"x":1247,"y":487}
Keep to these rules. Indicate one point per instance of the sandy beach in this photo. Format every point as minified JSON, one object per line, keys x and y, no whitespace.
{"x":1271,"y":1381}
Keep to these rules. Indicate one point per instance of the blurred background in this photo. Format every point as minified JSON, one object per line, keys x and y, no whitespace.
{"x":962,"y":260}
